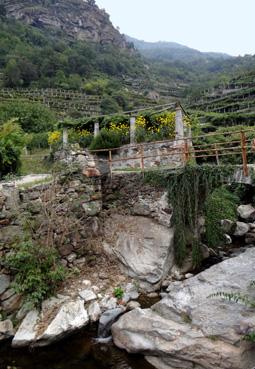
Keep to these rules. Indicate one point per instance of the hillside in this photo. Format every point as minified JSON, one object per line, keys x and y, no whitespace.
{"x":78,"y":19}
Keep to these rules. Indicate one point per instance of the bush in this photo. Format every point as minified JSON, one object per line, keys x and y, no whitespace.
{"x":37,"y":141}
{"x":108,"y":139}
{"x":37,"y":271}
{"x":32,"y":117}
{"x":11,"y":143}
{"x":221,"y":204}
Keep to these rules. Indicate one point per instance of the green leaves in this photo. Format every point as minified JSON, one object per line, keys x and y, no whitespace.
{"x":11,"y":143}
{"x":37,"y":271}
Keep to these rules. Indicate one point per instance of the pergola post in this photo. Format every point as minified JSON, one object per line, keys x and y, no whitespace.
{"x":179,"y":126}
{"x":65,"y":138}
{"x":96,"y":129}
{"x":132,"y":130}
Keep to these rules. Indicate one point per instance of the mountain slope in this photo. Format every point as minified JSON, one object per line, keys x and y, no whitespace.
{"x":172,"y":51}
{"x":78,"y":19}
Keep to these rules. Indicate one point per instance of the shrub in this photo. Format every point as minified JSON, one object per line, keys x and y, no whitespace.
{"x":107,"y":139}
{"x":221,"y":204}
{"x":37,"y":271}
{"x":11,"y":143}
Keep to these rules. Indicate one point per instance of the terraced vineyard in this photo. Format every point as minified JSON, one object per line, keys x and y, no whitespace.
{"x":237,"y":96}
{"x":57,"y":99}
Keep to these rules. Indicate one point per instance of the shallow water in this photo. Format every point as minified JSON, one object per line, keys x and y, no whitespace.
{"x":76,"y":352}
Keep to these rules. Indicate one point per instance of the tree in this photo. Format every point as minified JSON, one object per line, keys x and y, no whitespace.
{"x":12,"y":74}
{"x":11,"y":143}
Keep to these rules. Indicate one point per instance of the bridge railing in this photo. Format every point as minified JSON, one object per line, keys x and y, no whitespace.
{"x":233,"y":147}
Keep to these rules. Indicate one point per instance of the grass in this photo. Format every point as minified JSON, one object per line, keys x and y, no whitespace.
{"x":34,"y":163}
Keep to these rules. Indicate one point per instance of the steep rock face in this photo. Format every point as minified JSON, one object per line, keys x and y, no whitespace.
{"x":79,"y":19}
{"x":188,"y":330}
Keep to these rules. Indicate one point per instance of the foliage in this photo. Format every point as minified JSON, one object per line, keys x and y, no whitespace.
{"x":118,"y":293}
{"x":11,"y":144}
{"x":32,"y":117}
{"x":54,"y":137}
{"x":220,"y":204}
{"x":108,"y":139}
{"x":37,"y":271}
{"x":36,"y":141}
{"x":188,"y":189}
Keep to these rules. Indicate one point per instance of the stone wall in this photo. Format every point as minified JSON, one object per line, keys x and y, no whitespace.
{"x":165,"y":154}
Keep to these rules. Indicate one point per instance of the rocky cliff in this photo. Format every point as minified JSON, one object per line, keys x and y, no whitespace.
{"x":78,"y":19}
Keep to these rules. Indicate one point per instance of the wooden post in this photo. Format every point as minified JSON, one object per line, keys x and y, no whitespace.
{"x":244,"y":154}
{"x":132,"y":130}
{"x":217,"y":154}
{"x":110,"y":163}
{"x":186,"y":151}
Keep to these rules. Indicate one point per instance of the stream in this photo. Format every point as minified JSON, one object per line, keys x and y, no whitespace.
{"x":79,"y":351}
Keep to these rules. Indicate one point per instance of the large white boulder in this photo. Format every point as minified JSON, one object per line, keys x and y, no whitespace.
{"x":188,"y":329}
{"x":53,"y":323}
{"x":143,"y":246}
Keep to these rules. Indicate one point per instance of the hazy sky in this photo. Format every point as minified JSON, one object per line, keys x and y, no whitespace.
{"x":208,"y":25}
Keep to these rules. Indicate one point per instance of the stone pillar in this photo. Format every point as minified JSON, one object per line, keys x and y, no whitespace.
{"x":132,"y":130}
{"x":96,"y":129}
{"x":65,"y":137}
{"x":179,"y":127}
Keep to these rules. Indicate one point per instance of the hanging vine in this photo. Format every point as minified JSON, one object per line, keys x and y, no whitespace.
{"x":188,"y":189}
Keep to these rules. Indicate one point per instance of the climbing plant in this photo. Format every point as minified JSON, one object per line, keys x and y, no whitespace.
{"x":188,"y":189}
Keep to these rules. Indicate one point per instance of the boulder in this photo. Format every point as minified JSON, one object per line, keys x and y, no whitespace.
{"x":6,"y":329}
{"x":228,"y":226}
{"x":107,"y":319}
{"x":144,"y":248}
{"x":246,"y":212}
{"x":72,"y":316}
{"x":250,"y":238}
{"x":94,"y":311}
{"x":188,"y":329}
{"x":26,"y":333}
{"x":241,"y":229}
{"x":4,"y":283}
{"x":130,"y":293}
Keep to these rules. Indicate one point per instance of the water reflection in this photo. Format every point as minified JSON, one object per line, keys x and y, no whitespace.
{"x":76,"y":352}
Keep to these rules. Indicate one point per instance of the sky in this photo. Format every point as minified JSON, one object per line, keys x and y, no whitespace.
{"x":207,"y":25}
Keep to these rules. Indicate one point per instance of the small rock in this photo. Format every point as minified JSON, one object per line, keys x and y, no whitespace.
{"x":6,"y":329}
{"x":86,"y":283}
{"x":189,"y":275}
{"x":108,"y":303}
{"x":12,"y":304}
{"x":133,"y":305}
{"x":4,"y":283}
{"x":103,"y":275}
{"x":8,"y":294}
{"x":241,"y":229}
{"x":250,"y":238}
{"x":87,"y":295}
{"x":152,"y":295}
{"x":246,"y":212}
{"x":70,"y":258}
{"x":79,"y":262}
{"x":228,"y":226}
{"x":94,"y":312}
{"x":227,"y":239}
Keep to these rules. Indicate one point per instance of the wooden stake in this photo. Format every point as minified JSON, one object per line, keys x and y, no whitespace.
{"x":244,"y":154}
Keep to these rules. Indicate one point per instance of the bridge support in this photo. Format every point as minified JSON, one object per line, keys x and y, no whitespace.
{"x":96,"y":129}
{"x":132,"y":130}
